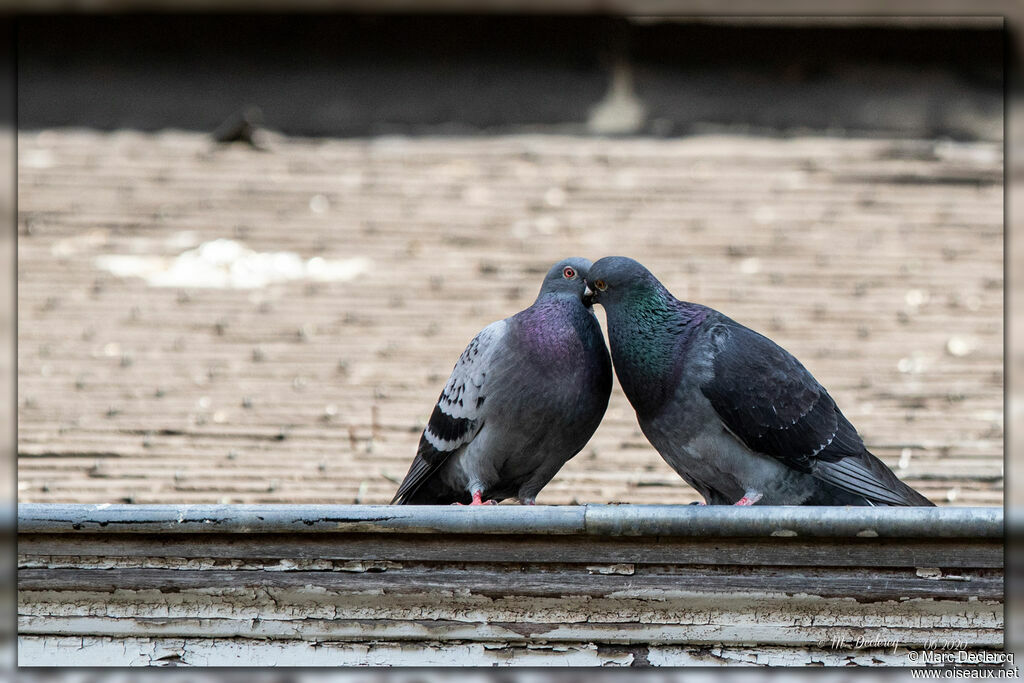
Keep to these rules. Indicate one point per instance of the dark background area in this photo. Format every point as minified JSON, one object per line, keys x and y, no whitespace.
{"x":343,"y":75}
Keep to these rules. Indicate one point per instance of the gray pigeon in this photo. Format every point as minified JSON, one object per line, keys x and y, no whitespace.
{"x":525,"y":396}
{"x":732,"y":412}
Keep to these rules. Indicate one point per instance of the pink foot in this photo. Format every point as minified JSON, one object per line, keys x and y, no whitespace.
{"x":478,"y":499}
{"x":750,"y":498}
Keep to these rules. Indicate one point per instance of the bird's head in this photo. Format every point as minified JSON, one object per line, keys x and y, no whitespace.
{"x":567,"y":277}
{"x":614,"y":277}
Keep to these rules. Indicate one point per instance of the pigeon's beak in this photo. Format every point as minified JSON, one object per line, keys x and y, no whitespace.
{"x":588,"y":296}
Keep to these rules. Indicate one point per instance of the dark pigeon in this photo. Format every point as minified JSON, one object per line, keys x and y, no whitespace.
{"x":525,"y":396}
{"x":737,"y":416}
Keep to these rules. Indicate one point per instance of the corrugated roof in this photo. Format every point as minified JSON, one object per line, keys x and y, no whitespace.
{"x":876,"y":262}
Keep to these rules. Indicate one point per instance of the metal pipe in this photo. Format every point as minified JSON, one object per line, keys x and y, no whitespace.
{"x":593,"y":520}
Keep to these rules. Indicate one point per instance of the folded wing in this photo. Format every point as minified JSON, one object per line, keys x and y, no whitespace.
{"x":771,"y":403}
{"x":460,"y":411}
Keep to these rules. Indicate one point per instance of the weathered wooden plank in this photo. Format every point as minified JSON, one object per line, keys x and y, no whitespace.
{"x":866,"y":584}
{"x":248,"y":605}
{"x":364,"y":630}
{"x":779,"y":551}
{"x":246,"y":652}
{"x":83,"y":651}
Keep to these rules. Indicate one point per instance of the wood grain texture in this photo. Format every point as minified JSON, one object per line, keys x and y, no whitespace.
{"x":506,"y":634}
{"x":862,"y":584}
{"x":513,"y":548}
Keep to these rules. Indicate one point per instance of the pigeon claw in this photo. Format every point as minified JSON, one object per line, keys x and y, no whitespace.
{"x":478,"y":499}
{"x":749,"y":498}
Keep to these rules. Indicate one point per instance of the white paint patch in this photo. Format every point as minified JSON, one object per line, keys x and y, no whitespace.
{"x":624,"y":569}
{"x":915,"y":298}
{"x":37,"y":158}
{"x":750,"y":266}
{"x":916,"y":363}
{"x":904,"y":461}
{"x":319,"y":204}
{"x":960,"y":346}
{"x":227,"y":264}
{"x":183,"y":239}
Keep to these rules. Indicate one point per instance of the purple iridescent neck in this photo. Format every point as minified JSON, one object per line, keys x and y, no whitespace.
{"x":557,"y":326}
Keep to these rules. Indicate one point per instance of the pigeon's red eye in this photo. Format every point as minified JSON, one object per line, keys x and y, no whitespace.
{"x":601,"y":285}
{"x":568,"y":273}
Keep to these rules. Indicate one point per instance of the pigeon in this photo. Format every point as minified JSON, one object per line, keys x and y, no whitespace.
{"x":734,"y":414}
{"x":525,"y":396}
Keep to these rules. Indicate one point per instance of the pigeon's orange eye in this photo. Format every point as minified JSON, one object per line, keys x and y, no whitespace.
{"x":601,"y":285}
{"x":568,"y":272}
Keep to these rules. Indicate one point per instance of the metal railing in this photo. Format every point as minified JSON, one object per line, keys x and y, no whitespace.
{"x":593,"y":520}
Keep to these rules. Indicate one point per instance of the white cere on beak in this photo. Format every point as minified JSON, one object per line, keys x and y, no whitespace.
{"x":587,"y":291}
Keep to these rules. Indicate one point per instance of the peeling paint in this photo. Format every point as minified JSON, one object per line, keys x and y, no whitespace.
{"x":624,"y":569}
{"x":125,"y":603}
{"x":107,"y":651}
